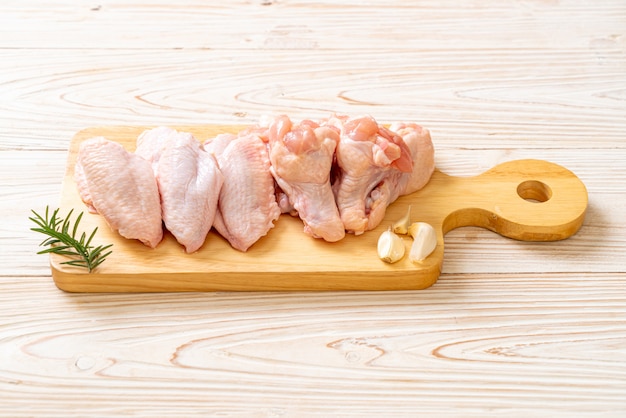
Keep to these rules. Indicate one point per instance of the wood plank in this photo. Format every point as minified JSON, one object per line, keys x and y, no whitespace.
{"x":555,"y":349}
{"x":498,"y":98}
{"x":297,"y":25}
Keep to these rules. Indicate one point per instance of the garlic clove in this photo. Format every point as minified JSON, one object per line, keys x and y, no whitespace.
{"x":401,"y":226}
{"x":390,"y":247}
{"x":424,"y":241}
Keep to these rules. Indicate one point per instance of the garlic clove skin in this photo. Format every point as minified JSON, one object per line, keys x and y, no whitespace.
{"x":390,"y":247}
{"x":401,"y":226}
{"x":424,"y":241}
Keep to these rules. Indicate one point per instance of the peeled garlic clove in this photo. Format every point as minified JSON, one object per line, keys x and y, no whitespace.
{"x":424,"y":241}
{"x":390,"y":247}
{"x":402,"y":225}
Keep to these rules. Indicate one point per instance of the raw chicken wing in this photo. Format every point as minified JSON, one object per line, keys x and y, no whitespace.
{"x":301,"y":157}
{"x":247,"y":205}
{"x":422,"y":150}
{"x":121,"y":187}
{"x":189,"y":183}
{"x":366,"y":154}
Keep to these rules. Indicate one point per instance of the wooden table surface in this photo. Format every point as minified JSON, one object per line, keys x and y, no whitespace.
{"x":511,"y":328}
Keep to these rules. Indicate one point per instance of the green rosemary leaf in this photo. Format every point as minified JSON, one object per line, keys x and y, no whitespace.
{"x":56,"y":249}
{"x":42,"y":223}
{"x":82,"y":239}
{"x":98,"y":250}
{"x":49,"y":241}
{"x":54,"y":220}
{"x":77,"y":263}
{"x":62,"y":239}
{"x":101,"y":257}
{"x":66,"y":224}
{"x":76,"y":222}
{"x":93,"y":234}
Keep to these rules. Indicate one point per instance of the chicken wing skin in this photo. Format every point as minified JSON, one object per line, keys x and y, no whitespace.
{"x":420,"y":144}
{"x":189,"y":183}
{"x":121,"y":187}
{"x":247,"y":205}
{"x":366,"y":154}
{"x":302,"y":156}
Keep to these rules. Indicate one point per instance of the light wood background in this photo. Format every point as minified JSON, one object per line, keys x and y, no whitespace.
{"x":511,"y":328}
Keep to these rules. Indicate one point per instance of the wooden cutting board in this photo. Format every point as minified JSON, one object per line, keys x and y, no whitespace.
{"x":530,"y":200}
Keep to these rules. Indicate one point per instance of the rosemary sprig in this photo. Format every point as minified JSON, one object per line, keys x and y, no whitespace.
{"x":62,"y":240}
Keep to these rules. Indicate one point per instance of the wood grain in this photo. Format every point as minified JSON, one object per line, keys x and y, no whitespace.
{"x":382,"y":353}
{"x":510,"y":328}
{"x":305,"y":25}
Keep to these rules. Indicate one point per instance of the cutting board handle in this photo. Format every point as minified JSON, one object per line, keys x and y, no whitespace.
{"x":529,"y":200}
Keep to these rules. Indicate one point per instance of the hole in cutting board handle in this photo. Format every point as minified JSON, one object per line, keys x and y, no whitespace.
{"x":534,"y":191}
